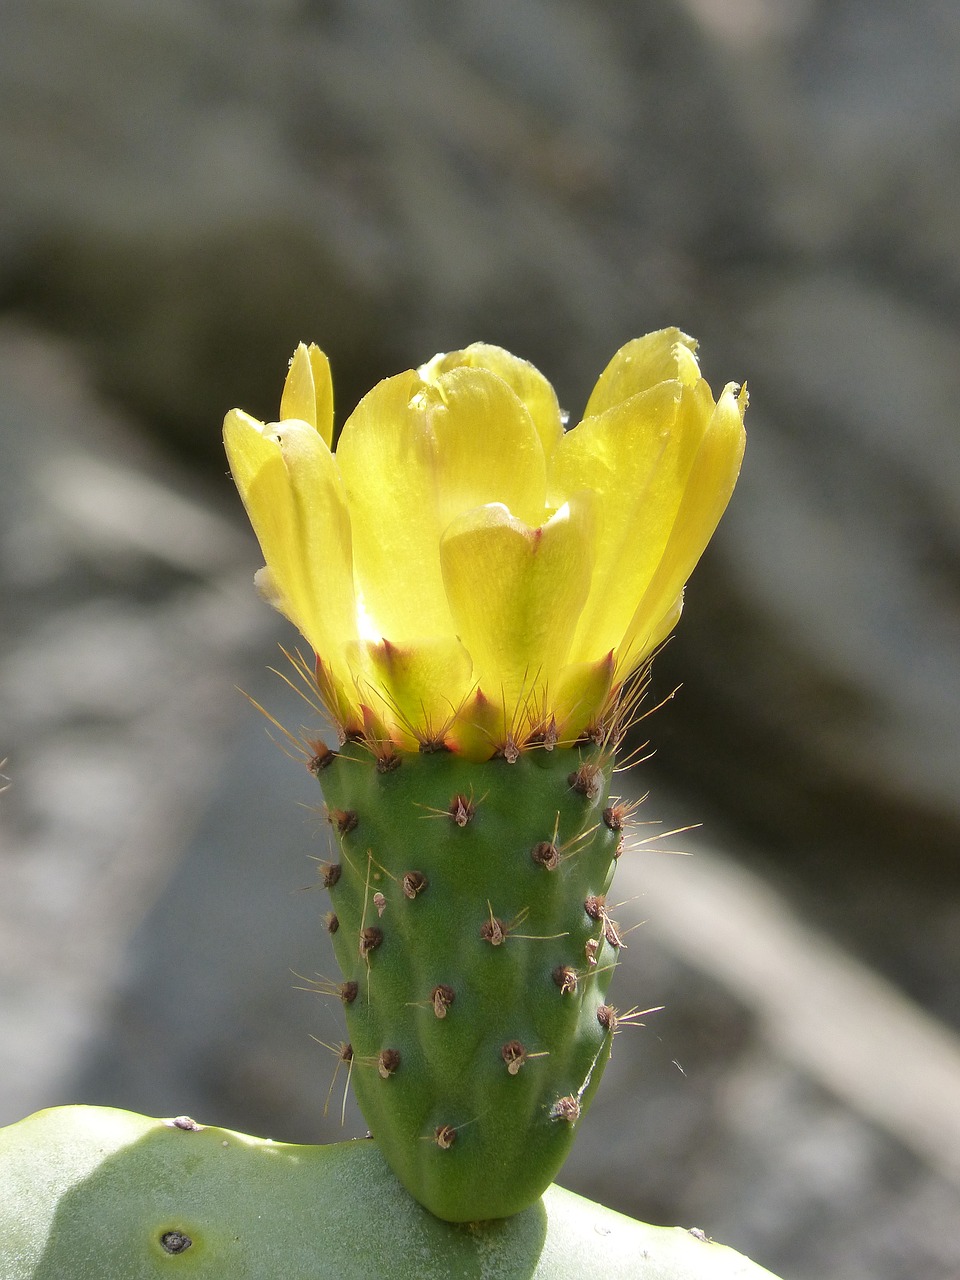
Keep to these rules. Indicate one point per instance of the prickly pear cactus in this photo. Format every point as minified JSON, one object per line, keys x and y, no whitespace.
{"x":470,"y":921}
{"x":91,"y":1193}
{"x":482,"y":591}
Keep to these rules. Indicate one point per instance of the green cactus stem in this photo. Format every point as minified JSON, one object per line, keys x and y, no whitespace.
{"x":470,"y":921}
{"x":91,"y":1193}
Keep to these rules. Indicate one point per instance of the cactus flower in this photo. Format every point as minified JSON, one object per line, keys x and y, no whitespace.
{"x":472,"y":576}
{"x":468,"y":573}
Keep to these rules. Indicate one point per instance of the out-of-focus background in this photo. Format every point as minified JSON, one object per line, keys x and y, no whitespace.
{"x":192,"y":186}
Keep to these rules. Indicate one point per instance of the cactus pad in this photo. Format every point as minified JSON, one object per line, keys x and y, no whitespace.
{"x":470,"y":921}
{"x":91,"y":1193}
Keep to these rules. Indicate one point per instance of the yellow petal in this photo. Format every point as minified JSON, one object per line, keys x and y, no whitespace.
{"x":665,"y":624}
{"x":524,"y":379}
{"x":488,"y":449}
{"x":387,"y":458}
{"x":636,"y":457}
{"x":419,"y":687}
{"x":308,"y":391}
{"x":706,"y":494}
{"x":580,"y":695}
{"x":664,"y":355}
{"x":261,"y":477}
{"x":289,"y":484}
{"x":478,"y":730}
{"x":516,"y":593}
{"x":339,"y":694}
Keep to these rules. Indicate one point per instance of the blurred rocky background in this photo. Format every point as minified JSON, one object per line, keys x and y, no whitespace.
{"x":188,"y":190}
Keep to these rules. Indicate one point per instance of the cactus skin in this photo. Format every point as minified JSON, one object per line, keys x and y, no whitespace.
{"x":477,"y":1023}
{"x":92,"y":1193}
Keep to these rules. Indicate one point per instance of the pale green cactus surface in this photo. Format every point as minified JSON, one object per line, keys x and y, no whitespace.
{"x":91,"y":1193}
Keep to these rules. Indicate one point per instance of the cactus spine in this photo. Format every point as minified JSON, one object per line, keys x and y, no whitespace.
{"x":470,"y":923}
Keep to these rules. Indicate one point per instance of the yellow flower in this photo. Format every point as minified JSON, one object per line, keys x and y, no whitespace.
{"x":468,"y":573}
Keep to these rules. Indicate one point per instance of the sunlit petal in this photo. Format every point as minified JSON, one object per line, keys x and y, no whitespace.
{"x":516,"y":593}
{"x":524,"y":379}
{"x":639,"y":365}
{"x":308,"y":391}
{"x":290,"y":487}
{"x":708,"y":489}
{"x":635,"y":458}
{"x":388,"y":460}
{"x":488,"y":449}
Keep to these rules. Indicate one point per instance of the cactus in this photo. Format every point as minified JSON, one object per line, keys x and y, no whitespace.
{"x":90,"y":1193}
{"x":483,"y":592}
{"x":476,"y":948}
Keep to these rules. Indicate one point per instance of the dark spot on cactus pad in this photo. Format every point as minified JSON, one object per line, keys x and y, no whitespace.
{"x":566,"y":979}
{"x":546,"y":855}
{"x":594,"y":907}
{"x":442,"y":997}
{"x":387,"y":1062}
{"x":614,"y":815}
{"x":388,"y":761}
{"x":330,"y":873}
{"x":590,"y":950}
{"x":493,"y":931}
{"x":567,"y":1108}
{"x":186,"y":1123}
{"x":175,"y":1241}
{"x":414,"y":882}
{"x":346,"y":1051}
{"x":607,"y":1017}
{"x":611,"y":931}
{"x":321,"y":757}
{"x":445,"y":1135}
{"x":462,"y":809}
{"x":514,"y":1055}
{"x":430,"y":746}
{"x":343,"y":819}
{"x":370,"y":939}
{"x":348,"y":992}
{"x":587,"y":780}
{"x":332,"y":923}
